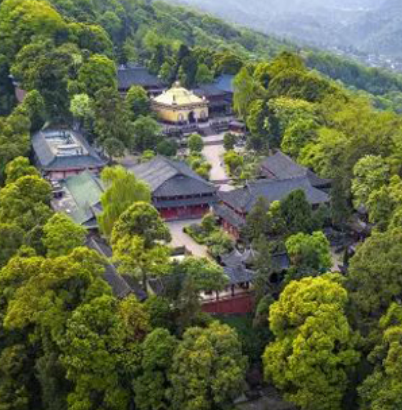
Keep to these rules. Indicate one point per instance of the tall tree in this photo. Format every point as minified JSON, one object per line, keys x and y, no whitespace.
{"x":314,"y":347}
{"x":370,"y":173}
{"x":152,"y":386}
{"x":122,"y":190}
{"x":382,"y":390}
{"x":97,"y":73}
{"x":61,"y":235}
{"x":297,"y":212}
{"x":18,"y":168}
{"x":375,"y":277}
{"x":217,"y":369}
{"x":310,"y":254}
{"x":138,"y":102}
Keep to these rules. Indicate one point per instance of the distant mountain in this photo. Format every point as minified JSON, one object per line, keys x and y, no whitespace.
{"x":367,"y":26}
{"x":380,"y":31}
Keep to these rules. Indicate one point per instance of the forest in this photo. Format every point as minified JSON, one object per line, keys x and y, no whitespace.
{"x":325,"y":340}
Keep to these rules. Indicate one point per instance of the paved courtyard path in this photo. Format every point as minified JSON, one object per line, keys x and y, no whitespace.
{"x":214,"y":155}
{"x":179,"y":238}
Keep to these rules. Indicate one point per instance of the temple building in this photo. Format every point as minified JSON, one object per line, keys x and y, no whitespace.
{"x":59,"y":154}
{"x":219,"y":95}
{"x":234,"y":206}
{"x":180,"y":106}
{"x":280,"y":166}
{"x":177,"y":191}
{"x":80,"y":199}
{"x":132,"y":75}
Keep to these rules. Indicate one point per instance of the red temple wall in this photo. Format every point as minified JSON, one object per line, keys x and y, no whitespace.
{"x":241,"y":304}
{"x":197,"y":211}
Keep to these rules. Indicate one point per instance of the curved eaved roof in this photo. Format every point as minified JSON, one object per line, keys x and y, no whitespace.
{"x":178,"y":96}
{"x":169,"y":178}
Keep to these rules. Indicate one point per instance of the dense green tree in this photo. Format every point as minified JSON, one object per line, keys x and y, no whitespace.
{"x":374,"y":277}
{"x":161,"y":312}
{"x":245,"y":92}
{"x":138,"y":102}
{"x":14,"y":378}
{"x":371,"y":173}
{"x":61,"y":235}
{"x":233,"y":162}
{"x":81,"y":107}
{"x":217,"y":369}
{"x":383,"y":202}
{"x":11,"y":239}
{"x":90,"y":37}
{"x":137,"y":238}
{"x":195,"y":143}
{"x":114,"y":148}
{"x":205,"y":275}
{"x":112,"y":119}
{"x":100,"y":354}
{"x":139,"y":260}
{"x":301,"y":84}
{"x":297,"y":212}
{"x":14,"y":137}
{"x":167,"y":148}
{"x":227,"y":63}
{"x":309,"y":253}
{"x":258,"y":122}
{"x":21,"y":21}
{"x":146,"y":132}
{"x":97,"y":73}
{"x":314,"y":347}
{"x":122,"y":190}
{"x":143,"y":220}
{"x":18,"y":168}
{"x":204,"y":75}
{"x":286,"y":61}
{"x":152,"y":386}
{"x":229,"y":141}
{"x":26,"y":202}
{"x":219,"y":243}
{"x":34,"y":107}
{"x":383,"y":388}
{"x":48,"y":68}
{"x":257,"y":220}
{"x":298,"y":135}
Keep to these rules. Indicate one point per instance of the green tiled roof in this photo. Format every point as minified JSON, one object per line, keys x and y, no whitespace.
{"x":86,"y":190}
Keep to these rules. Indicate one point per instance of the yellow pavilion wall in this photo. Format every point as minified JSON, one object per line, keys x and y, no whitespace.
{"x":174,"y":115}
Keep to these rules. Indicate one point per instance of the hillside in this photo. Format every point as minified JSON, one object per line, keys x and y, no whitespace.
{"x":380,"y":31}
{"x":357,"y":28}
{"x":137,"y":27}
{"x":171,"y":23}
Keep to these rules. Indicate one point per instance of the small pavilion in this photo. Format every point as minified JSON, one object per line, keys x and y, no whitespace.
{"x":180,"y":106}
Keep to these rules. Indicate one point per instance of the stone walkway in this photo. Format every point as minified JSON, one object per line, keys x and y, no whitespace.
{"x":180,"y":239}
{"x":214,"y":155}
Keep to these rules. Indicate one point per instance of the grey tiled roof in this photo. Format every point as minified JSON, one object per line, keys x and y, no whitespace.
{"x":280,"y":261}
{"x":132,"y":75}
{"x":281,"y":166}
{"x":236,"y":257}
{"x":238,"y":274}
{"x":273,"y":190}
{"x":122,"y":285}
{"x":48,"y":161}
{"x":210,"y":91}
{"x":230,"y":216}
{"x":170,"y":178}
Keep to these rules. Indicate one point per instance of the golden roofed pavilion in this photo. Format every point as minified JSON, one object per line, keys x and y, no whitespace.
{"x":180,"y":106}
